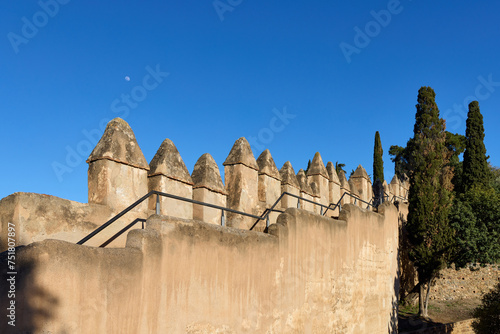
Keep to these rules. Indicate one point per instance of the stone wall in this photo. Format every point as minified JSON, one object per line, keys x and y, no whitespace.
{"x":466,"y":283}
{"x":309,"y":274}
{"x":119,"y":175}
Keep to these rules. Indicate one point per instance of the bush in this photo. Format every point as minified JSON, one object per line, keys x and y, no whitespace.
{"x":488,"y":313}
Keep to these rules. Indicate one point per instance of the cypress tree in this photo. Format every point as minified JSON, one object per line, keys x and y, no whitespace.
{"x":475,"y":166}
{"x":378,"y":163}
{"x":429,"y":232}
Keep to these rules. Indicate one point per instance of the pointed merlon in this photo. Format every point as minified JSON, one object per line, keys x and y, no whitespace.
{"x":118,"y":144}
{"x":288,"y":175}
{"x":343,"y":180}
{"x":267,"y":166}
{"x":304,"y":186}
{"x":168,"y":162}
{"x":360,"y":172}
{"x":395,"y":181}
{"x":330,"y":168}
{"x":315,"y":189}
{"x":241,"y":153}
{"x":206,"y":174}
{"x":317,"y":167}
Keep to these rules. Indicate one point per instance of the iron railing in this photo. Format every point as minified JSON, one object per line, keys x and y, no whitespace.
{"x":264,"y":216}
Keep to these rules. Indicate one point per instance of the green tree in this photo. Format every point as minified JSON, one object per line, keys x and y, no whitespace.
{"x":495,"y":179}
{"x":308,"y":166}
{"x":475,"y":166}
{"x":399,"y":158}
{"x":430,"y":197}
{"x":488,"y":313}
{"x":456,"y":145}
{"x":378,"y":163}
{"x":475,"y":218}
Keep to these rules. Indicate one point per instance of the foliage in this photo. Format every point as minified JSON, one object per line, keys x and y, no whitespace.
{"x":488,"y":313}
{"x":399,"y":158}
{"x":378,"y":162}
{"x":308,"y":166}
{"x":475,"y":167}
{"x":495,"y":179}
{"x":456,"y":144}
{"x":339,"y":167}
{"x":430,"y":198}
{"x":475,"y":218}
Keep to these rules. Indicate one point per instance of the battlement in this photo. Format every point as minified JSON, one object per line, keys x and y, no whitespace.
{"x":119,"y":174}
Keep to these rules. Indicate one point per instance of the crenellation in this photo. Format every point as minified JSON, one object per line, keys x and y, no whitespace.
{"x":208,"y":188}
{"x":289,"y":184}
{"x":306,"y":191}
{"x":169,"y":174}
{"x":361,"y":184}
{"x":333,"y":186}
{"x":269,"y":185}
{"x":117,"y":174}
{"x":318,"y":174}
{"x":344,"y":188}
{"x":241,"y":174}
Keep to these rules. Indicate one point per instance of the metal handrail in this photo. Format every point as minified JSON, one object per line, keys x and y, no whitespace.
{"x":123,"y":230}
{"x":264,"y":215}
{"x":158,"y":194}
{"x":356,"y":198}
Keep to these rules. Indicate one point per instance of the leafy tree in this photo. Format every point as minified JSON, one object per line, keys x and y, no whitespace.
{"x":488,"y":313}
{"x":475,"y":218}
{"x":454,"y":142}
{"x":399,"y":158}
{"x":475,"y":167}
{"x":378,"y":163}
{"x":495,"y":179}
{"x":429,"y":232}
{"x":339,"y":167}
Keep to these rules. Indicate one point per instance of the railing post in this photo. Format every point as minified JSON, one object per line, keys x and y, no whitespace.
{"x":267,"y":220}
{"x":157,"y":204}
{"x":222,"y":219}
{"x":298,"y":203}
{"x":321,"y":210}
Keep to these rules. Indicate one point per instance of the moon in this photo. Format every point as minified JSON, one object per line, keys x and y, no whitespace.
{"x":127,"y":78}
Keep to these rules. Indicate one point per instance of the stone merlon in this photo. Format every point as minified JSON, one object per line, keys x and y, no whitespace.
{"x":118,"y":144}
{"x":288,"y":175}
{"x":206,"y":174}
{"x":267,"y":166}
{"x":304,"y":186}
{"x":360,"y":172}
{"x":317,"y":167}
{"x":395,"y":181}
{"x":343,"y":180}
{"x":168,"y":162}
{"x":332,"y":173}
{"x":241,"y":153}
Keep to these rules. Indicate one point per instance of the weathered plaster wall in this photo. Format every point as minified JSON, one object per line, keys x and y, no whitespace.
{"x":37,"y":217}
{"x":310,"y":274}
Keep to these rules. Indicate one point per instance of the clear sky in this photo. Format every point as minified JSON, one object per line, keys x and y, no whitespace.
{"x":295,"y":77}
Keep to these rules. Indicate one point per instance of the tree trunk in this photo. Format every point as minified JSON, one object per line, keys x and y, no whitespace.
{"x":422,"y":312}
{"x":427,"y":296}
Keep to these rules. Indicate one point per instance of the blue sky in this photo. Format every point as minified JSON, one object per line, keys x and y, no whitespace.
{"x":337,"y":70}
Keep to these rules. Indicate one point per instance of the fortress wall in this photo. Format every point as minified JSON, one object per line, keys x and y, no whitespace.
{"x":37,"y":217}
{"x":310,"y":274}
{"x":119,"y":175}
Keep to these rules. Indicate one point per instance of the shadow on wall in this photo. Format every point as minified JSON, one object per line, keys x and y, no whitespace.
{"x":393,"y":324}
{"x":23,"y":302}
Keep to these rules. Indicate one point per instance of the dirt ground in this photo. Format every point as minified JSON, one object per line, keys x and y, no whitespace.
{"x":440,"y":312}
